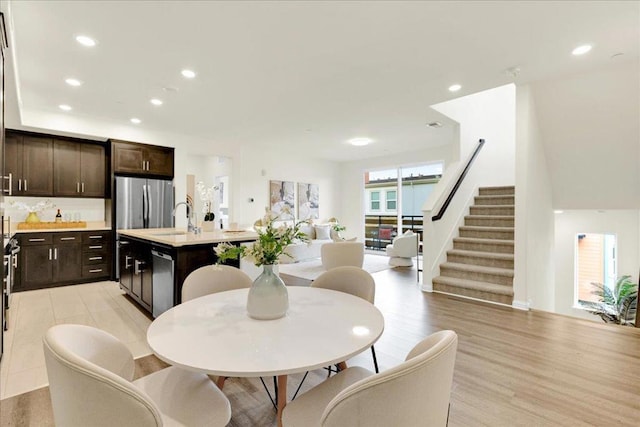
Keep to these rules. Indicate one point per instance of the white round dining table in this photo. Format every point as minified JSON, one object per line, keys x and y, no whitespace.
{"x":215,"y":335}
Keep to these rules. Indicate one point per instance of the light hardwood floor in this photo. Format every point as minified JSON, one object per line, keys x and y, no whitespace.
{"x":513,"y":368}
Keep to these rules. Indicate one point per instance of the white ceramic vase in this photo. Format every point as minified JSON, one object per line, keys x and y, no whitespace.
{"x":268,"y":297}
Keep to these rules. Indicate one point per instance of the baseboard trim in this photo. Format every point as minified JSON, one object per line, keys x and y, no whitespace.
{"x":472,"y":298}
{"x":521,"y":305}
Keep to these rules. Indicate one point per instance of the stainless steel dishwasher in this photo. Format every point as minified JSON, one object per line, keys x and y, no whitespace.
{"x":162,"y":282}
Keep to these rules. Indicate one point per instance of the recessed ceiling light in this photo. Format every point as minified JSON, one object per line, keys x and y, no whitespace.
{"x":73,"y":82}
{"x":64,"y":107}
{"x":557,"y":212}
{"x":188,"y":74}
{"x":581,"y":50}
{"x":454,"y":88}
{"x":136,"y":121}
{"x":156,"y":101}
{"x":359,"y":142}
{"x":86,"y":41}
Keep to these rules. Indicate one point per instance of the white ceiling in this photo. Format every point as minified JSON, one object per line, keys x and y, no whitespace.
{"x":296,"y":75}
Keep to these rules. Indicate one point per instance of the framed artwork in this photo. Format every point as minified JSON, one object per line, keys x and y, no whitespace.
{"x":308,"y":201}
{"x":281,"y":198}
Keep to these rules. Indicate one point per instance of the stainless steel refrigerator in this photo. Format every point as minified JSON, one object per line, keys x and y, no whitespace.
{"x":142,"y":203}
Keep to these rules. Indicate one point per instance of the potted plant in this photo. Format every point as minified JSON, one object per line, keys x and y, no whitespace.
{"x":617,"y":305}
{"x":268,"y":297}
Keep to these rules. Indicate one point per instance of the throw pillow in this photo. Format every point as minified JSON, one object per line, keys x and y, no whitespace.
{"x":308,"y":230}
{"x":322,"y":232}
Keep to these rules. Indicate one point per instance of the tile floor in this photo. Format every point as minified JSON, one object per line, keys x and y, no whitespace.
{"x":100,"y":304}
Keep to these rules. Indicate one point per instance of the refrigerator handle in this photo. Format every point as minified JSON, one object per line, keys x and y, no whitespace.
{"x":149,"y":203}
{"x":145,"y":216}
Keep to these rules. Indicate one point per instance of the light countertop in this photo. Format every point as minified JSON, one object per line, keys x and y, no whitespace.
{"x":178,"y":237}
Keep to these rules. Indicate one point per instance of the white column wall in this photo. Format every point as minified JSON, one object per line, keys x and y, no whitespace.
{"x":534,"y":226}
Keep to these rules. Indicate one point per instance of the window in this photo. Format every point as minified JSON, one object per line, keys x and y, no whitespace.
{"x":392,"y":198}
{"x":375,"y":200}
{"x":595,"y":263}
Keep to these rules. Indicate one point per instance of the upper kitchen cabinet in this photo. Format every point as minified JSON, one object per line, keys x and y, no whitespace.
{"x":47,"y":165}
{"x":78,"y":169}
{"x":29,"y":164}
{"x":132,"y":158}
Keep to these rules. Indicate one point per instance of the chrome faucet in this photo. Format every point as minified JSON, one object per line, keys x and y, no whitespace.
{"x":190,"y":226}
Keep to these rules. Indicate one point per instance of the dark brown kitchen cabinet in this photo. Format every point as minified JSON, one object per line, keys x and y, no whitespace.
{"x":136,"y":271}
{"x":96,"y":255}
{"x":132,"y":158}
{"x":62,"y":258}
{"x":79,"y":169}
{"x":29,"y":164}
{"x":48,"y":259}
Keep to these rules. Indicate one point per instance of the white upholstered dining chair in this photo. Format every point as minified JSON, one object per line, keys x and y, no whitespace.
{"x":350,"y":280}
{"x":213,"y":278}
{"x":338,"y":254}
{"x":90,"y":380}
{"x":414,"y":393}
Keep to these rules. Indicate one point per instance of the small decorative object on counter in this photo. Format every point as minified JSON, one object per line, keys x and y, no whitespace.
{"x":207,"y":196}
{"x":268,"y":297}
{"x":58,"y":216}
{"x":32,"y":216}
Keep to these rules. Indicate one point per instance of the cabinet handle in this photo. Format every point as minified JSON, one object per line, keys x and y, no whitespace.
{"x":25,"y":185}
{"x":20,"y":184}
{"x":36,"y":240}
{"x":127,"y":258}
{"x":95,"y":247}
{"x":97,"y":270}
{"x":67,"y":238}
{"x":10,"y":179}
{"x":138,"y":267}
{"x":83,"y":187}
{"x":49,"y":254}
{"x":95,"y":237}
{"x":15,"y":261}
{"x":55,"y":253}
{"x":77,"y":187}
{"x":95,"y":258}
{"x":143,"y":165}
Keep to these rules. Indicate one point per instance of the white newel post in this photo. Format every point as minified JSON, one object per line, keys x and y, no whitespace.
{"x":428,"y":251}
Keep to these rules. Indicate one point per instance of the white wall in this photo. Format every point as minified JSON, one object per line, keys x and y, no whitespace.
{"x":488,"y":115}
{"x":625,"y":224}
{"x":253,"y":169}
{"x":591,"y":127}
{"x":534,"y":226}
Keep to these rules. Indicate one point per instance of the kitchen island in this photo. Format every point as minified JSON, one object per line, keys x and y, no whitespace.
{"x":154,"y":262}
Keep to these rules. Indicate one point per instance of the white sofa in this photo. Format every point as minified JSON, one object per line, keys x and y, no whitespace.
{"x":319,"y":234}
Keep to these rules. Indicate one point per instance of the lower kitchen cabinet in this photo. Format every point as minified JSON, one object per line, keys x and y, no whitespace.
{"x":136,"y":271}
{"x":62,"y":258}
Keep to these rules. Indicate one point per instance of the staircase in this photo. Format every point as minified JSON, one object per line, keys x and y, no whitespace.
{"x":480,"y":265}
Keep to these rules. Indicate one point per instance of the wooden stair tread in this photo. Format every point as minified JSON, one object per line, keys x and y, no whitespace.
{"x":498,"y":271}
{"x":475,"y":285}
